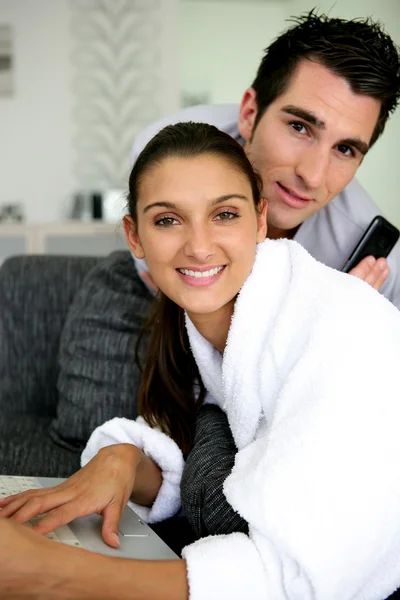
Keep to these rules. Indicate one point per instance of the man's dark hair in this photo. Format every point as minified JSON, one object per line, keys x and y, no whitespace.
{"x":358,"y":50}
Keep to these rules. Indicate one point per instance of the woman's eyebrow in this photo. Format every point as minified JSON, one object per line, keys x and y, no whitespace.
{"x":226,"y":197}
{"x":172,"y":206}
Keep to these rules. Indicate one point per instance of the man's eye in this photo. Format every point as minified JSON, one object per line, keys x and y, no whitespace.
{"x":345,"y":150}
{"x":166,"y":222}
{"x":299,"y":127}
{"x":226,"y":215}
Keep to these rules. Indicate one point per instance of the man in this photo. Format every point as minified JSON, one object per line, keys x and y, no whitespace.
{"x":320,"y":100}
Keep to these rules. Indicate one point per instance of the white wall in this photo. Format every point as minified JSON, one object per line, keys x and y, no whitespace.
{"x":43,"y":144}
{"x":35,"y":122}
{"x":222,"y":42}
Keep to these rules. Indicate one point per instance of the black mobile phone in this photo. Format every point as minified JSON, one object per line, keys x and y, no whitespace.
{"x":378,"y":240}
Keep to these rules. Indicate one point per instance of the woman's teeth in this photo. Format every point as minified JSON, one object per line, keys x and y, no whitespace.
{"x":199,"y":274}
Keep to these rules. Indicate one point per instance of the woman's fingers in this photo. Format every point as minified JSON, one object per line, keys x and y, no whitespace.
{"x":64,"y":514}
{"x":61,"y":507}
{"x":35,"y":502}
{"x":81,"y":507}
{"x":18,"y":506}
{"x":103,"y":486}
{"x":110,"y":528}
{"x":12,"y":503}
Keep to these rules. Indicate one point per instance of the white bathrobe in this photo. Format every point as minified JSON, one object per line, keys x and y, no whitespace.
{"x":310,"y":382}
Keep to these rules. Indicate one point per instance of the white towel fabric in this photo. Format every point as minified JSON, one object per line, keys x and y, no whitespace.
{"x":310,"y":384}
{"x":154,"y":444}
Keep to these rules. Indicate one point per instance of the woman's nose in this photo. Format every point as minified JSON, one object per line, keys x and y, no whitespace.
{"x":199,"y":244}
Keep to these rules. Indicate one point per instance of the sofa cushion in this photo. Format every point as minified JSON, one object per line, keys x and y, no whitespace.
{"x":27,"y":449}
{"x":35,"y":296}
{"x":98,"y":376}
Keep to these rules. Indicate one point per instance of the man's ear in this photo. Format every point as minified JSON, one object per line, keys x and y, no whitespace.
{"x":247,"y":114}
{"x":262,"y":227}
{"x":132,"y":237}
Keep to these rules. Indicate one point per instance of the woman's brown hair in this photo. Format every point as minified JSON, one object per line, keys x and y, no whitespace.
{"x":171,"y":389}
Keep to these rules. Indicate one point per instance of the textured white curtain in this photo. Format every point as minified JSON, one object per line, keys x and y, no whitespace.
{"x":124,"y":63}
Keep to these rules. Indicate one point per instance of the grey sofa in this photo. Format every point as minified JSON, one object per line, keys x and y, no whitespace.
{"x":68,"y":331}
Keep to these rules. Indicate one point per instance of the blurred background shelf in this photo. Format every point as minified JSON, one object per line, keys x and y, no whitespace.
{"x":87,"y":238}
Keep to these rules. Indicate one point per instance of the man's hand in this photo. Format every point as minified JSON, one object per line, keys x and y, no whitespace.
{"x":373,"y":271}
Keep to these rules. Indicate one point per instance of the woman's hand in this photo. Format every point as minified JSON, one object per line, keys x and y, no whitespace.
{"x":103,"y":486}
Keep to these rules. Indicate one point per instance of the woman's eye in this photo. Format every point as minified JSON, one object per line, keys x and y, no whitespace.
{"x":298,"y":127}
{"x":345,"y":150}
{"x":226,"y":215}
{"x":166,"y":222}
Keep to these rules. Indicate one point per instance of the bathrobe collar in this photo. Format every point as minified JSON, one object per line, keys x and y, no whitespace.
{"x":234,"y":379}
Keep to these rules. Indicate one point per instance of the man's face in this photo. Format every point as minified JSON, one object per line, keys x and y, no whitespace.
{"x":308,"y":144}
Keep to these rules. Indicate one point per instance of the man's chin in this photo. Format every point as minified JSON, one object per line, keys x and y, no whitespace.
{"x":283,"y":228}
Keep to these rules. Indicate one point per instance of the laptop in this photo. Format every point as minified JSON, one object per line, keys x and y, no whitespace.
{"x":137,"y":540}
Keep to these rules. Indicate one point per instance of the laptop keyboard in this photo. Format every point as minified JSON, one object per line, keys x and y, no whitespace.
{"x":14,"y":485}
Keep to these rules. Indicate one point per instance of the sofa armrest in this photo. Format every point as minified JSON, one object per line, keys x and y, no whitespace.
{"x":35,"y":295}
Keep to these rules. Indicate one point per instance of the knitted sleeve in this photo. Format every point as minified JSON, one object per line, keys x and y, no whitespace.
{"x":207,"y":466}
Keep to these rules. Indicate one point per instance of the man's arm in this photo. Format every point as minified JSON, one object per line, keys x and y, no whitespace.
{"x":207,"y":466}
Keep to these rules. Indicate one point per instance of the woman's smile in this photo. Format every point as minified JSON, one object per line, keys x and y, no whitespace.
{"x":200,"y":276}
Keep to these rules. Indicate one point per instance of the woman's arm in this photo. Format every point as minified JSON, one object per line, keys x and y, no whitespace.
{"x":145,"y":580}
{"x":35,"y":568}
{"x":148,"y":481}
{"x":161,"y":499}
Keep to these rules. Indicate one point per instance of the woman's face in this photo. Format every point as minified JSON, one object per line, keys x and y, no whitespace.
{"x":197,"y":228}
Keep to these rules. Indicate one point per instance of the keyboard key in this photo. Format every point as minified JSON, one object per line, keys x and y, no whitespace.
{"x":75,"y":543}
{"x":65,"y":535}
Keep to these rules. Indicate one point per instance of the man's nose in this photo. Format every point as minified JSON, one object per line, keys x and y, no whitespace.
{"x":199,"y":243}
{"x":312,"y":167}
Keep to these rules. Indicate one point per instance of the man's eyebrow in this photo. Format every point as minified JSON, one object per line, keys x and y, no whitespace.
{"x":304,"y":114}
{"x":172,"y":206}
{"x":311,"y":118}
{"x":357,"y":143}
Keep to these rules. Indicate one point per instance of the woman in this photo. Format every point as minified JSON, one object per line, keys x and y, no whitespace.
{"x":303,"y":361}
